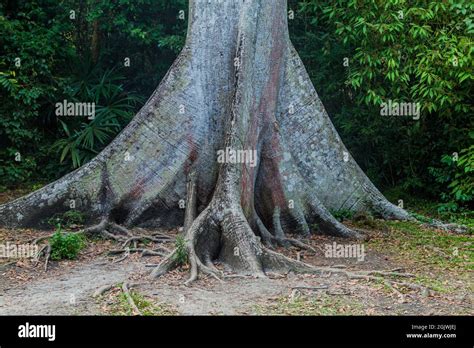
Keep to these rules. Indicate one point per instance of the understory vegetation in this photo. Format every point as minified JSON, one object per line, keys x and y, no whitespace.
{"x":359,"y":55}
{"x":65,"y":245}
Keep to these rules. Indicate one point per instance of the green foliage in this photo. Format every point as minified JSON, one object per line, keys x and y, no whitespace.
{"x":342,"y":214}
{"x":66,"y":245}
{"x":32,"y":46}
{"x":68,"y":219}
{"x":462,"y":187}
{"x":426,"y":210}
{"x":404,"y":51}
{"x":181,"y":255}
{"x":457,"y":176}
{"x":421,"y":218}
{"x":48,"y":57}
{"x":7,"y":79}
{"x":149,"y":32}
{"x":113,"y":110}
{"x":400,"y":50}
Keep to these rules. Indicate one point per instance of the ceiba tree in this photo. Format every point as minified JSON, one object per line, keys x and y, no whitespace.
{"x":237,"y":85}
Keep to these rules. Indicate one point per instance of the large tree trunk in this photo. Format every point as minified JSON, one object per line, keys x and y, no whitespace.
{"x":237,"y":84}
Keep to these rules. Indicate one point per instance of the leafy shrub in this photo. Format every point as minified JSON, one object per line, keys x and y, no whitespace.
{"x":462,"y":187}
{"x":66,"y":245}
{"x":360,"y":53}
{"x":456,"y":177}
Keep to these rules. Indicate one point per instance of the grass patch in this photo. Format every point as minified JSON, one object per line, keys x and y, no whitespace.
{"x":304,"y":305}
{"x":438,"y":285}
{"x":181,"y":255}
{"x":435,"y":248}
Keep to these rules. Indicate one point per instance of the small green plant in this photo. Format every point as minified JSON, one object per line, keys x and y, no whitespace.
{"x":36,"y":186}
{"x":421,"y":218}
{"x":65,"y":245}
{"x":73,"y":217}
{"x":67,"y":219}
{"x":181,"y":255}
{"x":343,"y":214}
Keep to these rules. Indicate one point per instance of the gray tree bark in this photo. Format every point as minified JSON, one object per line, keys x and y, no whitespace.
{"x":239,"y":84}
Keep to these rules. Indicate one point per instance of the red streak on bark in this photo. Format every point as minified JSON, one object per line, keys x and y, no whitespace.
{"x":266,"y":110}
{"x":137,"y":189}
{"x":193,"y":154}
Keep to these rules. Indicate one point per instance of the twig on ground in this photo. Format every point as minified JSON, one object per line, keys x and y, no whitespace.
{"x":319,"y":287}
{"x":48,"y":255}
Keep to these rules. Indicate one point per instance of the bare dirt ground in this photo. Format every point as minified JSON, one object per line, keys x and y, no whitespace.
{"x":67,"y":288}
{"x":441,"y":265}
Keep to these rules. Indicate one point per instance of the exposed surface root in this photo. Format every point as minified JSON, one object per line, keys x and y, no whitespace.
{"x":8,"y":264}
{"x":223,"y":233}
{"x":143,"y":238}
{"x":130,"y":300}
{"x":296,"y":243}
{"x":449,"y":227}
{"x":121,"y":235}
{"x":165,"y":266}
{"x":46,"y":251}
{"x":197,"y":266}
{"x":278,"y":262}
{"x":127,"y":251}
{"x":100,"y":291}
